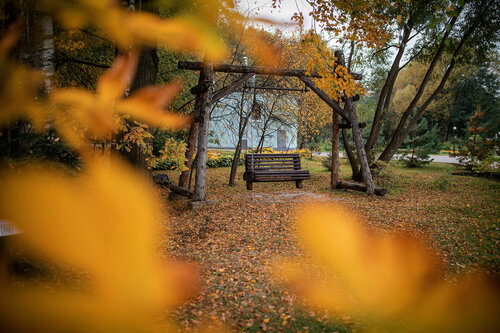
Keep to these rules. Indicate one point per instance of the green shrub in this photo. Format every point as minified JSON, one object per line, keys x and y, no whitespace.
{"x":326,"y":147}
{"x":447,"y":145}
{"x":327,"y":162}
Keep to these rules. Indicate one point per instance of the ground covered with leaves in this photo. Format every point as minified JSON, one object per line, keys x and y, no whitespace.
{"x":237,"y":241}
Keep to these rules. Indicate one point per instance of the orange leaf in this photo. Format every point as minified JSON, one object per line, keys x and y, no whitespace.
{"x":113,"y":83}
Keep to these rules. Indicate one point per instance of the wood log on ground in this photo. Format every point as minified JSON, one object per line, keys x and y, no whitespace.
{"x":360,"y":187}
{"x":163,"y":180}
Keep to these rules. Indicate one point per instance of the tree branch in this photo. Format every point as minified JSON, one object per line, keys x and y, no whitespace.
{"x":83,"y":62}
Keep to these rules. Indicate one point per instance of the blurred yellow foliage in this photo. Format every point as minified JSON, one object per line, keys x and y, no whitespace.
{"x":383,"y":278}
{"x":104,"y":223}
{"x":80,"y":115}
{"x":18,"y":84}
{"x":133,"y":28}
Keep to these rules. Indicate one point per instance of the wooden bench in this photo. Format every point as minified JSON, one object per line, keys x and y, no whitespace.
{"x":274,"y":168}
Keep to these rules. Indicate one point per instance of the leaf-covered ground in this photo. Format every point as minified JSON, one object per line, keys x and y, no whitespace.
{"x":236,"y":241}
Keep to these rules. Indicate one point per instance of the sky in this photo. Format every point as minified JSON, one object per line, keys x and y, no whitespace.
{"x":281,"y":15}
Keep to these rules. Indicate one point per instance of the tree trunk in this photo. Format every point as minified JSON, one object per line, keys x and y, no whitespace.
{"x":35,"y":49}
{"x":191,"y":147}
{"x":398,"y":138}
{"x":234,"y":164}
{"x":386,"y":93}
{"x":260,"y":145}
{"x":334,"y":176}
{"x":358,"y":140}
{"x":356,"y":174}
{"x":241,"y":130}
{"x":146,"y":73}
{"x":201,"y":155}
{"x":360,"y":149}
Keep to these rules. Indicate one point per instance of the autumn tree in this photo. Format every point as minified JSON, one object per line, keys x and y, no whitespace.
{"x":470,"y":25}
{"x":432,"y":31}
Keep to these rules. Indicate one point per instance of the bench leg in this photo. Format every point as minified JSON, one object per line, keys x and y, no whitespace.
{"x":249,"y":185}
{"x":298,"y":183}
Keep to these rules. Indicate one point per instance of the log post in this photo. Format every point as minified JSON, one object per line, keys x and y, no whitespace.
{"x":335,"y":150}
{"x":358,"y":140}
{"x":193,"y":130}
{"x":191,"y":145}
{"x":205,"y":96}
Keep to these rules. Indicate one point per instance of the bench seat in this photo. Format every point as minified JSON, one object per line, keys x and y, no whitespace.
{"x":274,"y":168}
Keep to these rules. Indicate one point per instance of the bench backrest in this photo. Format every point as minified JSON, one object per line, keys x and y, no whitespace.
{"x":259,"y":162}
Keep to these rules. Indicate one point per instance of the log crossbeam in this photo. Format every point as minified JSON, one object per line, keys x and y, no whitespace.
{"x":302,"y":74}
{"x":263,"y":70}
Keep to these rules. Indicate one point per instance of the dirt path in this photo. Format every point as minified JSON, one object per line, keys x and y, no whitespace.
{"x":235,"y":244}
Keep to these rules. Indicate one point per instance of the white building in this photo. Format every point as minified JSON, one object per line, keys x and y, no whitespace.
{"x":271,"y":120}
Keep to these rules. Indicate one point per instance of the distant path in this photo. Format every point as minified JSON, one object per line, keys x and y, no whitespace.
{"x":435,"y":158}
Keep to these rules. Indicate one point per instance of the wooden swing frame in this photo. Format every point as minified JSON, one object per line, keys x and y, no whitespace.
{"x":205,"y":98}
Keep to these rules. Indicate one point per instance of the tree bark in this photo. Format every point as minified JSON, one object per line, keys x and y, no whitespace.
{"x":260,"y":145}
{"x":241,"y":130}
{"x":191,"y":145}
{"x":356,"y":175}
{"x":358,"y":140}
{"x":399,"y":137}
{"x":334,"y":176}
{"x":201,"y":155}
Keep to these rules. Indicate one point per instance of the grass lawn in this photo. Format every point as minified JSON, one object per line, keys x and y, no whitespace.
{"x":236,"y":241}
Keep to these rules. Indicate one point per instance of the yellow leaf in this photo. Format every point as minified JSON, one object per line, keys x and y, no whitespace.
{"x":156,"y":96}
{"x":113,"y":82}
{"x":379,"y":275}
{"x":147,"y":105}
{"x":383,"y":277}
